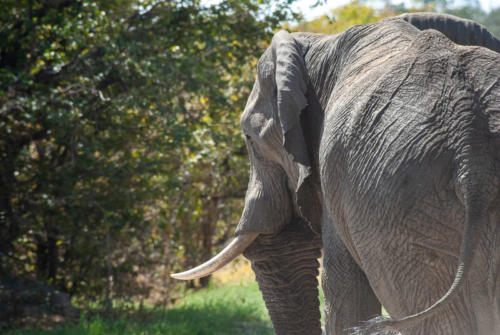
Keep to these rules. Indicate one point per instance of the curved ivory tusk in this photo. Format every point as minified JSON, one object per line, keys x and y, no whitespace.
{"x":227,"y":255}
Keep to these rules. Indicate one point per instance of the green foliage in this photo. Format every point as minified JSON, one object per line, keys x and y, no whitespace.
{"x":228,"y":310}
{"x":341,"y":18}
{"x":120,"y":148}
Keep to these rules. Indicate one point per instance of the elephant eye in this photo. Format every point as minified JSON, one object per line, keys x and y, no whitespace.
{"x":249,"y":139}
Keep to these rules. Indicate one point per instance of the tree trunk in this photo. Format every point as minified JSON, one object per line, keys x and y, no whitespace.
{"x":207,"y":234}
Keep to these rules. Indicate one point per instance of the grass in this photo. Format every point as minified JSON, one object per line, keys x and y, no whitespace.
{"x":229,"y":309}
{"x":233,"y":305}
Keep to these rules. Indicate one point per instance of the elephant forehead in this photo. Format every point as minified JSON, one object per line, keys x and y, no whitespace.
{"x":258,"y":119}
{"x":265,"y":65}
{"x":252,"y":101}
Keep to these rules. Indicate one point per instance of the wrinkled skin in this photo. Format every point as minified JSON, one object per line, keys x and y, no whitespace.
{"x":376,"y":145}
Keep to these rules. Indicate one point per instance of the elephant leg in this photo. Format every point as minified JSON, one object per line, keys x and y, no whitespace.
{"x":286,"y":268}
{"x":349,"y":299}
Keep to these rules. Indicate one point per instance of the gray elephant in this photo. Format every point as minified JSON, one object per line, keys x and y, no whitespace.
{"x":380,"y":145}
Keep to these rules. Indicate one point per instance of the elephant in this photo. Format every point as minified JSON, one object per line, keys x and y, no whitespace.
{"x":380,"y":148}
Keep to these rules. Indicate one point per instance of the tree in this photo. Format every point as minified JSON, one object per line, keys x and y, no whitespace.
{"x":120,"y":148}
{"x":339,"y":19}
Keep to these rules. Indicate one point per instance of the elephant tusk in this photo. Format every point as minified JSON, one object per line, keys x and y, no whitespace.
{"x":227,"y":255}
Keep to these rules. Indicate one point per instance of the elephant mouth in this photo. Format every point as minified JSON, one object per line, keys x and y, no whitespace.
{"x":237,"y":246}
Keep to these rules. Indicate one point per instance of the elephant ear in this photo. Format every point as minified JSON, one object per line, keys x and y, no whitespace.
{"x":460,"y":31}
{"x":291,"y":84}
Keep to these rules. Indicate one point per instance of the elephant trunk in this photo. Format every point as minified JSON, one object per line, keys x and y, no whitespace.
{"x":286,"y":268}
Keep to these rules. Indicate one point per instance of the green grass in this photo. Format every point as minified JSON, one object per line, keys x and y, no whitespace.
{"x":228,"y":309}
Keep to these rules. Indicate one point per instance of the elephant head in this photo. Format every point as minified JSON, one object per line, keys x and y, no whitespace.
{"x":280,"y":227}
{"x":281,"y":217}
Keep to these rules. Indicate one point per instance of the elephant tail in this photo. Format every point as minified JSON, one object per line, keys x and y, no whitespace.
{"x":476,"y":186}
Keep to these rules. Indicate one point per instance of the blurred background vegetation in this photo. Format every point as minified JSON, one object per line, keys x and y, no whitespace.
{"x":121,"y":156}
